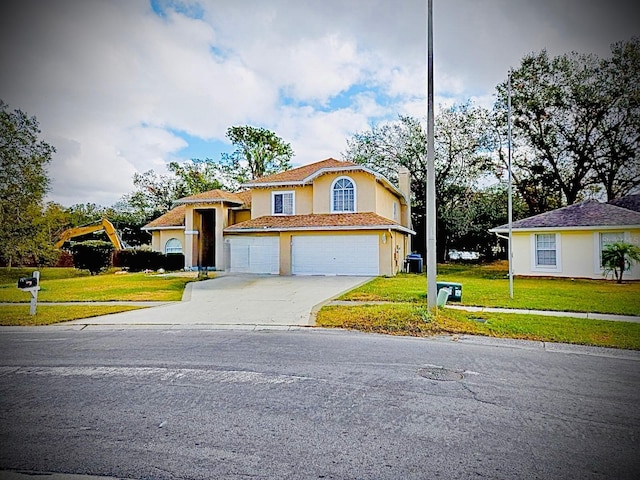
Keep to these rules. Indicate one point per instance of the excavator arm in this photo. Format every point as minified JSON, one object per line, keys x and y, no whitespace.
{"x":104,"y":224}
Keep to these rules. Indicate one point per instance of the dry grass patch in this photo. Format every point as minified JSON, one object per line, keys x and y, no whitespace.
{"x":411,"y":319}
{"x":14,"y":315}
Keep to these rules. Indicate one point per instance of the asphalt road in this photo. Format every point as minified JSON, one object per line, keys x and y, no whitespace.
{"x":198,"y":404}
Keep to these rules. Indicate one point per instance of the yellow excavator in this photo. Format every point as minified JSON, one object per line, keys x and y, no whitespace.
{"x":103,"y":224}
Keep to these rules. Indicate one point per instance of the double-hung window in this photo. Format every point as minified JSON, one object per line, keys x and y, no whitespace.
{"x":546,"y":252}
{"x":343,"y":195}
{"x":282,"y":203}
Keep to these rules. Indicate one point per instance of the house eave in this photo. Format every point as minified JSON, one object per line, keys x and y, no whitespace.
{"x":399,"y":228}
{"x":174,"y":227}
{"x":572,"y":228}
{"x":205,"y":202}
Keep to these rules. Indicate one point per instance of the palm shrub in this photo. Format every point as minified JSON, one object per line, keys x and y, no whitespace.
{"x":618,"y":257}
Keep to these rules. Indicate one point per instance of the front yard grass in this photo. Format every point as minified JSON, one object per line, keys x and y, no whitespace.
{"x":412,"y":319}
{"x":13,"y":315}
{"x":487,"y":286}
{"x":69,"y":285}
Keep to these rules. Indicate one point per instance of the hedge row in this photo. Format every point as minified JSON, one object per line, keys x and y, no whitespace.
{"x":138,"y":260}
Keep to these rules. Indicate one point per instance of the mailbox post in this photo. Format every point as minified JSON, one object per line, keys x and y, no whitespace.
{"x":31,"y":285}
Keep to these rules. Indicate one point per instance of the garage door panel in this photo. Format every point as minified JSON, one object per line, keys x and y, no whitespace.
{"x":254,"y":254}
{"x":335,"y":255}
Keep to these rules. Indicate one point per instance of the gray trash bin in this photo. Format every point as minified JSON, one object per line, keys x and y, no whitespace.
{"x":413,"y":263}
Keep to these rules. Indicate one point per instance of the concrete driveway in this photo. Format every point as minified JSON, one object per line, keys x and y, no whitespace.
{"x":239,"y":300}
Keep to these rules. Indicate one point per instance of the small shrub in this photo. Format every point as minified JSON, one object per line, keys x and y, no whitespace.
{"x":174,"y":261}
{"x":92,"y":255}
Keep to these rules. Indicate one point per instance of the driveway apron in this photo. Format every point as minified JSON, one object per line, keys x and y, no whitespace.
{"x":240,"y":300}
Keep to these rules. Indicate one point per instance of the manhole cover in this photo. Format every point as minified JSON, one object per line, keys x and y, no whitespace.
{"x":441,"y":374}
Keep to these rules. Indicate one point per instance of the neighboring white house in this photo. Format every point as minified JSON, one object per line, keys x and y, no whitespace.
{"x":568,"y":242}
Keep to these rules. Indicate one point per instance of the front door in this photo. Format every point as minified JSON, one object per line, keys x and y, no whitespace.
{"x":207,"y":246}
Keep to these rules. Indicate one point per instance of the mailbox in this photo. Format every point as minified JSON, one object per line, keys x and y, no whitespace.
{"x":28,"y":282}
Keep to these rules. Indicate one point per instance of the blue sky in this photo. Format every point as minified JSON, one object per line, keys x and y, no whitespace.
{"x":121,"y":87}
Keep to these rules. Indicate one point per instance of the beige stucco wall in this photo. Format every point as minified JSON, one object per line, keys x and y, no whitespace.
{"x":239,"y":216}
{"x":261,"y":200}
{"x":159,"y":238}
{"x":384,"y":203}
{"x":579,"y":254}
{"x":365,"y":191}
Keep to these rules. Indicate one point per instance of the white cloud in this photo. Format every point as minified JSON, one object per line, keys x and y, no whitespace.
{"x":113,"y":83}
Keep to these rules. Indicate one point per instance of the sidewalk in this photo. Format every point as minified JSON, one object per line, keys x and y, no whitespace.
{"x":546,"y":313}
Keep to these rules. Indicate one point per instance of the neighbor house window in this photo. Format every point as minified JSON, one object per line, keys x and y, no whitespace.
{"x":343,"y":195}
{"x":395,"y":211}
{"x":173,"y":245}
{"x":546,"y":250}
{"x":609,"y":238}
{"x":282,"y":203}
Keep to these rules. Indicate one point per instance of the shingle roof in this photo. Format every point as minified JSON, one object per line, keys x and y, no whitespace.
{"x":586,"y":214}
{"x":212,"y":196}
{"x":630,"y":202}
{"x":300,"y":173}
{"x":173,"y":218}
{"x":328,"y":221}
{"x":245,"y":196}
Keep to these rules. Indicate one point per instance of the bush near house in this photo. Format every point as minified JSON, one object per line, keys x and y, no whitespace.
{"x":139,"y":260}
{"x":92,"y":255}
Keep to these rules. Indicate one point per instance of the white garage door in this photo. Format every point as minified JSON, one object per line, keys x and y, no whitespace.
{"x":335,"y":255}
{"x":254,"y":254}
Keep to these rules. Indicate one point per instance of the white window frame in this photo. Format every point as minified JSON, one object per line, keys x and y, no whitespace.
{"x":395,"y":211}
{"x":283,"y":193}
{"x":534,"y":257}
{"x":355,"y":195}
{"x":597,"y":247}
{"x":167,"y":243}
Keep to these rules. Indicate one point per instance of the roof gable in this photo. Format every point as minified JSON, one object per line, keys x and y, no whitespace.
{"x":173,"y":218}
{"x":212,"y":196}
{"x":300,"y":174}
{"x":590,"y":213}
{"x":307,"y":173}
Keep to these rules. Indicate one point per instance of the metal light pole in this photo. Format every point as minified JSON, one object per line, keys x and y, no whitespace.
{"x":432,"y":291}
{"x":509,"y":201}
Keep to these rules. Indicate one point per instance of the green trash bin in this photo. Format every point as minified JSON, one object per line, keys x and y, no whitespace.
{"x":455,"y":290}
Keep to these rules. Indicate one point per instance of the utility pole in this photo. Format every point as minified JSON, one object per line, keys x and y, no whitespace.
{"x":510,"y":200}
{"x":432,"y":290}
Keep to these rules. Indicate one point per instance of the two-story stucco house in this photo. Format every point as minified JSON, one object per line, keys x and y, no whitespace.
{"x":327,"y":218}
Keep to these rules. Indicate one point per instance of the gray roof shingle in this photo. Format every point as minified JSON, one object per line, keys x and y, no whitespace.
{"x":590,"y":213}
{"x":630,"y":202}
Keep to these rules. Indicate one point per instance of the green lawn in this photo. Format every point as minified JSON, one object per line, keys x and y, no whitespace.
{"x":70,"y":285}
{"x":412,"y":319}
{"x":488,"y":286}
{"x":48,"y":314}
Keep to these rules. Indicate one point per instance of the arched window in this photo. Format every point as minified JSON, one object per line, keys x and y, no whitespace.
{"x":173,"y":245}
{"x":343,"y":195}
